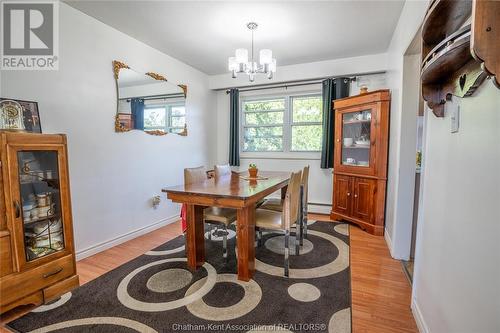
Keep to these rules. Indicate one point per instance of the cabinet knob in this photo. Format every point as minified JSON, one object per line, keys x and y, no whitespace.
{"x":348,"y":194}
{"x":355,"y":195}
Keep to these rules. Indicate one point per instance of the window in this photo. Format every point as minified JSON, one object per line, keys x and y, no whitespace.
{"x":170,"y":117}
{"x":263,"y":125}
{"x":307,"y":117}
{"x":282,"y":124}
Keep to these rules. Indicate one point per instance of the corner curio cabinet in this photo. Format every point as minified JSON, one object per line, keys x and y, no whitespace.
{"x":36,"y":234}
{"x":360,"y":159}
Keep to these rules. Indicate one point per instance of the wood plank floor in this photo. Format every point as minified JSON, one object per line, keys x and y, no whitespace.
{"x":380,"y":291}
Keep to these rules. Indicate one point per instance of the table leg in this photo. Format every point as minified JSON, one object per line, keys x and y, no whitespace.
{"x":245,"y":226}
{"x":283,"y":191}
{"x":195,"y":240}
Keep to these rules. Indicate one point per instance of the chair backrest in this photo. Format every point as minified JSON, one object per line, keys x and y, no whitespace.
{"x":292,"y":199}
{"x":194,"y":175}
{"x":222,"y":170}
{"x":304,"y":182}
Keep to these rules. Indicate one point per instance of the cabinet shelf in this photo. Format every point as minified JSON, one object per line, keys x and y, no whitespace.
{"x":356,"y":147}
{"x":40,"y":219}
{"x":351,"y":122}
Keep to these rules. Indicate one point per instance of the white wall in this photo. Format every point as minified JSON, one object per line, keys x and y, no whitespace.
{"x":320,"y":180}
{"x":110,"y":187}
{"x":402,"y":137}
{"x":458,"y":249}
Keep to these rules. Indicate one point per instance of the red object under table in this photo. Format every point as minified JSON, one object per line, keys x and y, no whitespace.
{"x":184,"y":217}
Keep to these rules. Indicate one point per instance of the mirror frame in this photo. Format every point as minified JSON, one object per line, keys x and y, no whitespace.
{"x":117,"y":67}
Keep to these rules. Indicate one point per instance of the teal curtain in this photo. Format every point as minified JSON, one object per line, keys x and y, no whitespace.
{"x":137,"y":108}
{"x":234,"y":132}
{"x":332,"y":90}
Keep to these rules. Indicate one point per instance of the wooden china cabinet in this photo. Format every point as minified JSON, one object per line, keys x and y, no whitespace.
{"x":360,"y":159}
{"x":37,"y":257}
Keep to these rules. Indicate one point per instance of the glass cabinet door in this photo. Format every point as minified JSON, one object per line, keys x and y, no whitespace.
{"x":356,"y":136}
{"x":40,"y":203}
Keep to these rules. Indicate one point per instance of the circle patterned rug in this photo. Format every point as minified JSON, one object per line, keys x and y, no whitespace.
{"x":156,"y":292}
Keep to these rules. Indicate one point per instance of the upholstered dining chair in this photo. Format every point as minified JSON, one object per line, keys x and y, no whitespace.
{"x":212,"y":215}
{"x":283,"y":221}
{"x":277,"y":204}
{"x":222,"y":170}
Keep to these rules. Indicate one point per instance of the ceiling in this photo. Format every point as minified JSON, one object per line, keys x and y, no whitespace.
{"x":204,"y":34}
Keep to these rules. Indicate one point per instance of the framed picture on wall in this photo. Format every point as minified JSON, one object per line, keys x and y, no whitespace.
{"x":19,"y":115}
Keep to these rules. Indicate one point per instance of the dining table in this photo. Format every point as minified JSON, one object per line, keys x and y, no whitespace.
{"x":236,"y":191}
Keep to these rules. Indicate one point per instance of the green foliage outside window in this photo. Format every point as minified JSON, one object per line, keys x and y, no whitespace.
{"x":265,"y":124}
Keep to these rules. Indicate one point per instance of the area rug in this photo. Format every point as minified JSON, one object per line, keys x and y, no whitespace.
{"x":157,"y":293}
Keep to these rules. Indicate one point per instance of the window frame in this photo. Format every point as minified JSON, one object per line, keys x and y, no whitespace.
{"x":168,"y":115}
{"x":287,"y":151}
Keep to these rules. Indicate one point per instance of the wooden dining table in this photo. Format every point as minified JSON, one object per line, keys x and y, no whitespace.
{"x":232,"y":191}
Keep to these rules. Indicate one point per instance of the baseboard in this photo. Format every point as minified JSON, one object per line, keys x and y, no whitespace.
{"x":419,"y":319}
{"x":319,"y":208}
{"x":94,"y":249}
{"x":388,"y":240}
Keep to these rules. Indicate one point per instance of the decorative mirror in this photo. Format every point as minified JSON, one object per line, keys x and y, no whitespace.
{"x":148,"y":102}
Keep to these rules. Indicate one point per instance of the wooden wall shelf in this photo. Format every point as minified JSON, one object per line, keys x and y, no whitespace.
{"x":447,"y":57}
{"x":456,"y":58}
{"x":443,"y":18}
{"x":485,"y":37}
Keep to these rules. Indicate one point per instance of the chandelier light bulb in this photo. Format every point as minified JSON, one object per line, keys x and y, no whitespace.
{"x":272,"y":66}
{"x":266,"y":56}
{"x":241,"y":56}
{"x":232,"y":64}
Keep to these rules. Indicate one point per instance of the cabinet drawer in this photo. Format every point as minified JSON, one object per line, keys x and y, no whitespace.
{"x":17,"y":285}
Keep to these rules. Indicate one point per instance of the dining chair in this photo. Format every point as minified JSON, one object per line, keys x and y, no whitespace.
{"x":304,"y":195}
{"x":222,"y":170}
{"x":212,"y":215}
{"x":276,"y":204}
{"x":283,"y":221}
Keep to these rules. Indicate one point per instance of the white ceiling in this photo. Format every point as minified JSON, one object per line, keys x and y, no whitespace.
{"x":204,"y":34}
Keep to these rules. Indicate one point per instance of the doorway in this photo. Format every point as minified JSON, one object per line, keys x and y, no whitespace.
{"x":415,"y":104}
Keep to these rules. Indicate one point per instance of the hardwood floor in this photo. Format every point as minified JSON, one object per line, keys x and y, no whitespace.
{"x":380,"y":291}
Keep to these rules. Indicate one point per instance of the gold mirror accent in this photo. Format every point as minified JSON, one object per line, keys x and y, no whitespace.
{"x":119,"y":127}
{"x":184,"y":89}
{"x":155,"y":76}
{"x":117,"y":66}
{"x":148,"y":102}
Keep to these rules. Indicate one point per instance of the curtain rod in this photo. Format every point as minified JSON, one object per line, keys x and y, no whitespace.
{"x":297,"y":82}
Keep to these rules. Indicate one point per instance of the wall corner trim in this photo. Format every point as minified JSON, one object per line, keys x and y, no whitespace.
{"x":419,"y":319}
{"x":94,"y":249}
{"x":388,"y":240}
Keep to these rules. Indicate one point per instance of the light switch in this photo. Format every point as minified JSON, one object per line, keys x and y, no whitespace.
{"x":455,"y":118}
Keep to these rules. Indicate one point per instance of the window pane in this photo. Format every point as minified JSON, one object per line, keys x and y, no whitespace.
{"x":307,"y":109}
{"x":264,"y":118}
{"x":277,"y":104}
{"x":178,"y":121}
{"x":154,"y":118}
{"x":263,"y":144}
{"x":261,"y":132}
{"x":307,"y":137}
{"x":178,"y":110}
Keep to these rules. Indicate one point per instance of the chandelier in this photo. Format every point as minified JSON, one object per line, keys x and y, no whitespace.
{"x":240,"y":64}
